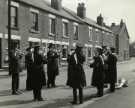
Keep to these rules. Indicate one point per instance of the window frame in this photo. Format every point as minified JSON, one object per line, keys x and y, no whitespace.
{"x":65,"y":24}
{"x":66,"y":49}
{"x":35,"y":21}
{"x":15,"y":17}
{"x":90,"y":48}
{"x":76,"y":31}
{"x":90,"y":34}
{"x":52,"y":26}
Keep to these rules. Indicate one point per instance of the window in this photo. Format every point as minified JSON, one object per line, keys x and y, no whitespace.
{"x":90,"y":34}
{"x":65,"y":29}
{"x":34,"y":21}
{"x":32,"y":44}
{"x":14,"y":16}
{"x":52,"y":26}
{"x":76,"y":32}
{"x":96,"y":35}
{"x":64,"y":51}
{"x":89,"y":52}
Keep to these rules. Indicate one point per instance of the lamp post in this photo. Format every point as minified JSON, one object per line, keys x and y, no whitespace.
{"x":9,"y":35}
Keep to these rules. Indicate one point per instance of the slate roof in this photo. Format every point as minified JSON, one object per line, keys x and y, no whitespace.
{"x":117,"y":29}
{"x":41,"y":4}
{"x":64,"y":12}
{"x":88,"y":21}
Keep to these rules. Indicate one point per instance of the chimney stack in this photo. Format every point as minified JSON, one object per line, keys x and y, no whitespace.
{"x":56,"y":4}
{"x":81,"y":10}
{"x":100,"y":20}
{"x":121,"y":23}
{"x":113,"y":25}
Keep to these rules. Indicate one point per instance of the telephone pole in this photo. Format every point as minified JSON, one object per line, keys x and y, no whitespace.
{"x":9,"y":35}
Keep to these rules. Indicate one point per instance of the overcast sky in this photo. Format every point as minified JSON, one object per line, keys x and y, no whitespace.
{"x":111,"y":10}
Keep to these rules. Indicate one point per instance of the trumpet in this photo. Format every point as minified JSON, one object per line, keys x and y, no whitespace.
{"x":19,"y":52}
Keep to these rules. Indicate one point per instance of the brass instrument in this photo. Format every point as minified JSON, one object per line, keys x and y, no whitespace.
{"x":19,"y":52}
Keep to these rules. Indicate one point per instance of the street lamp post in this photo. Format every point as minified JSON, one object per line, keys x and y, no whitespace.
{"x":9,"y":35}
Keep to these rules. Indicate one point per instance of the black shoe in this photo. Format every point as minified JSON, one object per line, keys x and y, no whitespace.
{"x":112,"y":91}
{"x":19,"y":92}
{"x":28,"y":89}
{"x":74,"y":102}
{"x":53,"y":86}
{"x":99,"y":95}
{"x":15,"y":93}
{"x":48,"y":85}
{"x":34,"y":99}
{"x":81,"y":102}
{"x":40,"y":99}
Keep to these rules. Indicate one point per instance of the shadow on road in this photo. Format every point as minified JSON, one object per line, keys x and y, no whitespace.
{"x":9,"y":92}
{"x":15,"y":102}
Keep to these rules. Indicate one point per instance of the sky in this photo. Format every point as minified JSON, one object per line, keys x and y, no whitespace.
{"x":111,"y":10}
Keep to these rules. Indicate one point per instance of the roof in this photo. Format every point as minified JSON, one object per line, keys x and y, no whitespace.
{"x":117,"y":29}
{"x":64,"y":12}
{"x":41,"y":4}
{"x":87,"y":20}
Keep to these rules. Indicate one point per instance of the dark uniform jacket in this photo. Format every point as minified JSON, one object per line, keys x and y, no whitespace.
{"x":52,"y":63}
{"x":29,"y":66}
{"x":112,"y":68}
{"x":29,"y":62}
{"x":98,"y":72}
{"x":15,"y":63}
{"x":38,"y":74}
{"x":76,"y":74}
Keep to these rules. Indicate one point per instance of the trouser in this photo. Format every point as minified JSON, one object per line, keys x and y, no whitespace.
{"x":37,"y":93}
{"x":15,"y":82}
{"x":28,"y":84}
{"x":100,"y":90}
{"x":112,"y":87}
{"x":51,"y":79}
{"x":80,"y":95}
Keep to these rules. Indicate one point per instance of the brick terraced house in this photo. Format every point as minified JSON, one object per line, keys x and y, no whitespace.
{"x":38,"y":22}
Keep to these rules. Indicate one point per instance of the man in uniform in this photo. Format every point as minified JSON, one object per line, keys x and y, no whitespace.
{"x":52,"y":66}
{"x":15,"y":69}
{"x":112,"y":69}
{"x":29,"y":63}
{"x":38,"y":74}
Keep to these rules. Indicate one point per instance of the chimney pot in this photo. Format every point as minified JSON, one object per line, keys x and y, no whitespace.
{"x":113,"y":24}
{"x":56,"y":4}
{"x":81,"y":10}
{"x":100,"y":20}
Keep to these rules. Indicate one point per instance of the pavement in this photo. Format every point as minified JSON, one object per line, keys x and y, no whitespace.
{"x":59,"y":97}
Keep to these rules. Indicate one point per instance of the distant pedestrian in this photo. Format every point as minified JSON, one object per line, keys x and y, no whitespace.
{"x":112,"y":69}
{"x":98,"y":72}
{"x":15,"y":70}
{"x":29,"y":66}
{"x":77,"y":79}
{"x":52,"y":66}
{"x":38,"y":74}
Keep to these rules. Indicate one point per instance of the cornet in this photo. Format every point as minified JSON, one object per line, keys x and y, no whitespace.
{"x":19,"y":52}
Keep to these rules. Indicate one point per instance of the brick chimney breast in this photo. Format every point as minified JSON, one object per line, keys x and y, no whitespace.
{"x":100,"y":20}
{"x":81,"y":10}
{"x":113,"y":25}
{"x":56,"y":4}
